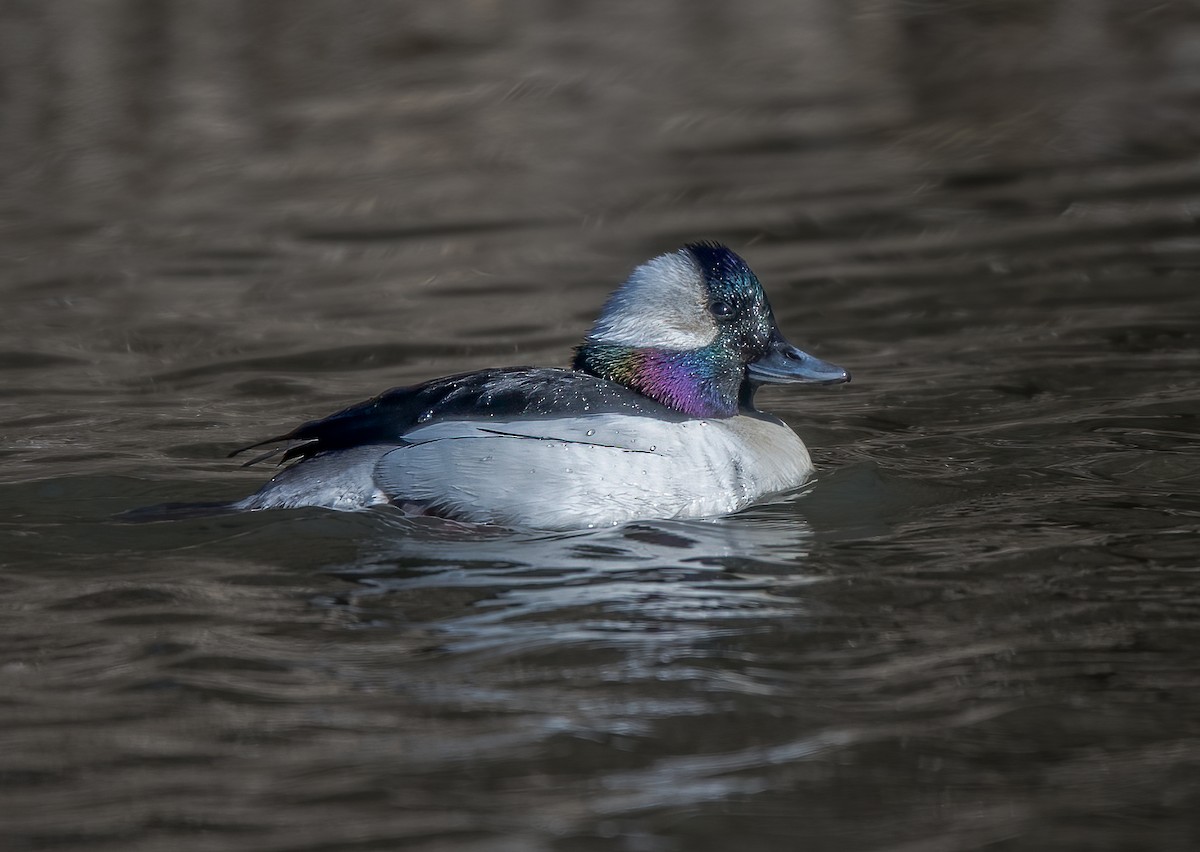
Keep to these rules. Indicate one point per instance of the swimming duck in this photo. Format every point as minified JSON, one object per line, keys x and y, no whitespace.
{"x":655,"y":419}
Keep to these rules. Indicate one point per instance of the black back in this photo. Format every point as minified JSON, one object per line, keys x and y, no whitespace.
{"x":501,"y":394}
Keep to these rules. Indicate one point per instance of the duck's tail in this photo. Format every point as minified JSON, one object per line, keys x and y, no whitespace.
{"x":178,"y":512}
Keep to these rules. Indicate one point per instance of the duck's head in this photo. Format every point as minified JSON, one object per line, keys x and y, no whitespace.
{"x":693,"y":330}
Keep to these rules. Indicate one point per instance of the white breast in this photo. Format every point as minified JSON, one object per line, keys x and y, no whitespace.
{"x":593,"y":471}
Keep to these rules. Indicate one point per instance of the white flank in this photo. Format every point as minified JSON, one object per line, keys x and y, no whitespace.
{"x":593,"y":471}
{"x":338,"y":480}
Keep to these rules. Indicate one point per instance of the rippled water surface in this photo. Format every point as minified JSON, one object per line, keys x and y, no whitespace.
{"x":977,"y":629}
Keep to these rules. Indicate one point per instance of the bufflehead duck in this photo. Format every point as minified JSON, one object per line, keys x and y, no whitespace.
{"x":655,"y":419}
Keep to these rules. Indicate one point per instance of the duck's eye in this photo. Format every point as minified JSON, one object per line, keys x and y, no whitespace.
{"x":721,"y":310}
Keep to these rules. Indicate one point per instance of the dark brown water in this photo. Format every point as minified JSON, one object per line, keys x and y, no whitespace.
{"x":977,"y":630}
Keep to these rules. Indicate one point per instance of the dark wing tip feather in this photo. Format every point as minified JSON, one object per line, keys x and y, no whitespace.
{"x":279,"y":439}
{"x":287,"y":452}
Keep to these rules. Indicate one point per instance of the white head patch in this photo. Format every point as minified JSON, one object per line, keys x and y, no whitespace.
{"x":663,"y":305}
